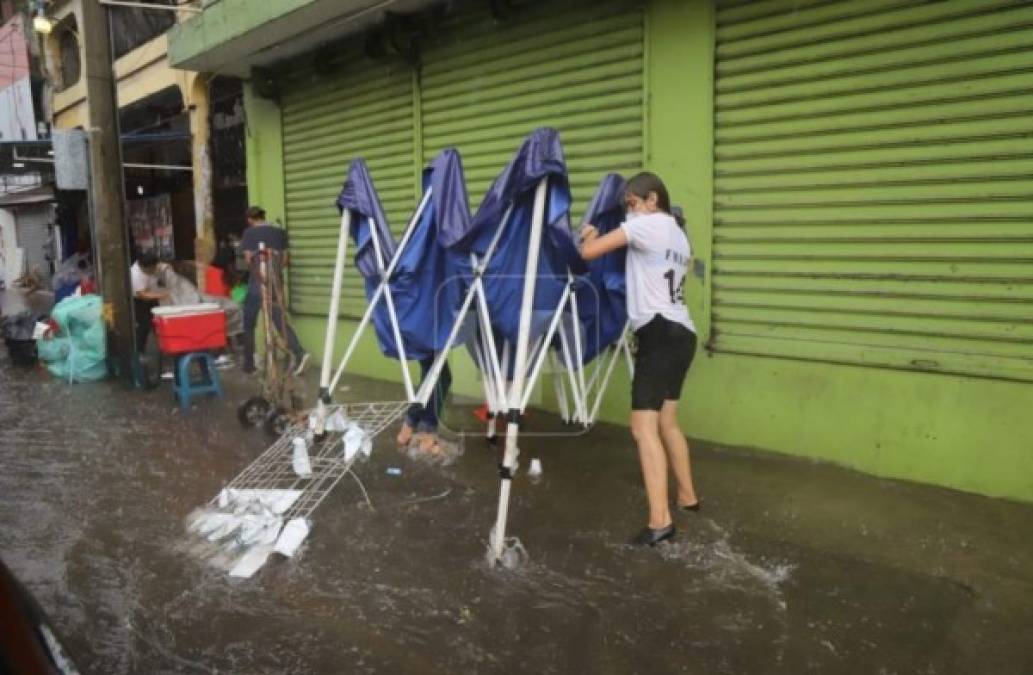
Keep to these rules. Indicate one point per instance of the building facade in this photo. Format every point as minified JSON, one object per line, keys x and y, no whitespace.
{"x":165,"y":120}
{"x":856,"y":177}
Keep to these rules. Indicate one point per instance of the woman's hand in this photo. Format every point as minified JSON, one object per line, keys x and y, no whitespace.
{"x":589,"y":232}
{"x":592,"y":245}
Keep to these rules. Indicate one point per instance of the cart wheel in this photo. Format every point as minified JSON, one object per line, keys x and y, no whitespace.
{"x":276,"y":422}
{"x":253,"y":411}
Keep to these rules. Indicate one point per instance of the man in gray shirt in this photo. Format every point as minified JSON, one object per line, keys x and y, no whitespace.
{"x":276,"y":243}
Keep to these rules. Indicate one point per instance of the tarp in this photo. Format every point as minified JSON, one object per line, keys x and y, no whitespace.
{"x":540,"y":156}
{"x":360,"y":197}
{"x":601,"y":293}
{"x":78,"y":352}
{"x":367,"y":217}
{"x":423,"y":287}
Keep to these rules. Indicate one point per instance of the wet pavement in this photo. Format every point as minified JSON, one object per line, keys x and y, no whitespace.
{"x":791,"y":567}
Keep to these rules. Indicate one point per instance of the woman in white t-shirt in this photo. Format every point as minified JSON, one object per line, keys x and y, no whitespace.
{"x":658,"y":261}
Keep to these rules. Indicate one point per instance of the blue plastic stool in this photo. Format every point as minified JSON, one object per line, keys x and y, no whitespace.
{"x":185,"y":387}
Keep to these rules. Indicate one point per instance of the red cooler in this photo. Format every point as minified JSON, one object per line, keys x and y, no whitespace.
{"x":189,"y":328}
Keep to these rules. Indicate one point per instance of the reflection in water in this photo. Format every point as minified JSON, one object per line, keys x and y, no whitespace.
{"x":791,"y":566}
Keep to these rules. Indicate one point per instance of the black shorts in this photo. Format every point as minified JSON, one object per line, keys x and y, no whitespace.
{"x":662,"y":358}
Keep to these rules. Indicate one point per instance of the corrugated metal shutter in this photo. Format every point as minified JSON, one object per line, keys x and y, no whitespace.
{"x":361,"y":109}
{"x":33,"y":236}
{"x":873,"y":195}
{"x":576,"y":66}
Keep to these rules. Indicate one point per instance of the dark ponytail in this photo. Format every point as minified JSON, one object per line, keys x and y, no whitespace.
{"x":642,"y":184}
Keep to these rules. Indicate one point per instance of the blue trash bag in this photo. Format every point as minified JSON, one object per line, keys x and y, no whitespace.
{"x":78,"y":353}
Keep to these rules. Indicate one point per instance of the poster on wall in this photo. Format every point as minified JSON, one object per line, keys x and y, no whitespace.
{"x":150,"y":221}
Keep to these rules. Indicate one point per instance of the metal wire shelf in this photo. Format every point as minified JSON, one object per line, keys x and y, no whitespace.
{"x":273,"y":469}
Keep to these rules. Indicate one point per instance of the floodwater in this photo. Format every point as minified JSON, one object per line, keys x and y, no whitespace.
{"x":791,"y":567}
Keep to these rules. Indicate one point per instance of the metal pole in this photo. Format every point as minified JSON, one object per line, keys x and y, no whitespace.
{"x":561,"y":390}
{"x":516,"y":391}
{"x":423,"y":395}
{"x":578,"y":352}
{"x":617,"y":349}
{"x":385,"y":283}
{"x":108,"y":190}
{"x":545,"y":349}
{"x":331,"y":323}
{"x":565,"y":352}
{"x":410,"y":228}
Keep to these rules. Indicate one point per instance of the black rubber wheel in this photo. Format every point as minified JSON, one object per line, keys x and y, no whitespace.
{"x":253,"y":412}
{"x":276,"y":422}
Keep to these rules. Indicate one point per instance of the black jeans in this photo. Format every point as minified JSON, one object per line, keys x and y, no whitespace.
{"x":142,"y":309}
{"x":425,"y":418}
{"x":252,"y":306}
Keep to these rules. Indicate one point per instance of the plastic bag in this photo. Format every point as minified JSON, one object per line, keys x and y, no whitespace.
{"x":79,"y":351}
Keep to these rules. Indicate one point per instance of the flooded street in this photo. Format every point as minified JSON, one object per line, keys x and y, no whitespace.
{"x":791,"y":566}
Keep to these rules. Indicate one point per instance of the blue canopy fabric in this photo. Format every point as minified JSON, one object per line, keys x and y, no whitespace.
{"x":540,"y":156}
{"x":426,"y":299}
{"x":360,"y":197}
{"x":602,"y":291}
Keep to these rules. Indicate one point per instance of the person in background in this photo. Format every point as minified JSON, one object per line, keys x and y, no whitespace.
{"x":219,"y":276}
{"x":423,"y":420}
{"x":275,"y":240}
{"x":657,"y":263}
{"x":145,"y":277}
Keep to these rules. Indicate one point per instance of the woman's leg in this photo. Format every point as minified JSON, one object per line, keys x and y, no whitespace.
{"x":677,"y":449}
{"x":645,"y":429}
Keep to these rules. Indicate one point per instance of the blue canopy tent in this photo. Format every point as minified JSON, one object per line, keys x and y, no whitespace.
{"x":504,"y":221}
{"x":601,"y":292}
{"x":601,"y":295}
{"x":410,"y":302}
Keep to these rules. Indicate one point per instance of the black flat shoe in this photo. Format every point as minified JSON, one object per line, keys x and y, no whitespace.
{"x":650,"y":537}
{"x":689,"y":507}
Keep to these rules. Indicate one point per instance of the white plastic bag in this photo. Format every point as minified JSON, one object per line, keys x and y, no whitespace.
{"x":292,"y":536}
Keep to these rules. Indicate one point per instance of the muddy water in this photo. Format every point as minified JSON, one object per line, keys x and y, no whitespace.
{"x":792,"y":567}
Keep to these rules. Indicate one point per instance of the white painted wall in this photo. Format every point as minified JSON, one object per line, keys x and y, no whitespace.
{"x":17,"y":118}
{"x":10,"y":254}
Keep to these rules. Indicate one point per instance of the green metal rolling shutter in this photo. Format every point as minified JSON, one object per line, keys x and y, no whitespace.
{"x":362,"y":109}
{"x":577,"y":67}
{"x":873,"y":195}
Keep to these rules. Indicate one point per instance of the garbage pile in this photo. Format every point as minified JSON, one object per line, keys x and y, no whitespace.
{"x":19,"y":337}
{"x":75,"y":346}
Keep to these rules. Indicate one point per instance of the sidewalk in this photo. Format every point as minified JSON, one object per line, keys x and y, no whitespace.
{"x":791,"y":567}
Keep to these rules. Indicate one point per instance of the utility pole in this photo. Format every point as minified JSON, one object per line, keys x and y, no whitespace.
{"x":107,"y":189}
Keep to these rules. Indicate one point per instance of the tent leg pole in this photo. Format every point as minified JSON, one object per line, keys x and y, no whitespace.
{"x":561,"y":391}
{"x":331,"y":324}
{"x":516,"y":391}
{"x":368,"y":314}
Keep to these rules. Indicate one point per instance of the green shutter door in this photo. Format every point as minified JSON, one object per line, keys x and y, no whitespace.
{"x":873,"y":195}
{"x":575,"y":66}
{"x":362,"y":109}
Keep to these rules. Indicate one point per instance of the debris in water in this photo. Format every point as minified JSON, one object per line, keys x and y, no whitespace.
{"x":251,"y":562}
{"x":294,"y":533}
{"x":394,"y":471}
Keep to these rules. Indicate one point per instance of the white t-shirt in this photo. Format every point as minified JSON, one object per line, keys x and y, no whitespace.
{"x":657,"y":264}
{"x":142,"y":281}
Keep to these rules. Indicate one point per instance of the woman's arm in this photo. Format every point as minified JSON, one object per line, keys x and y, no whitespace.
{"x":593,"y":246}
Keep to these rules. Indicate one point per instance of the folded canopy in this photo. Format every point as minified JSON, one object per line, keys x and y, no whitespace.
{"x":513,"y":192}
{"x":425,"y":301}
{"x":601,"y":292}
